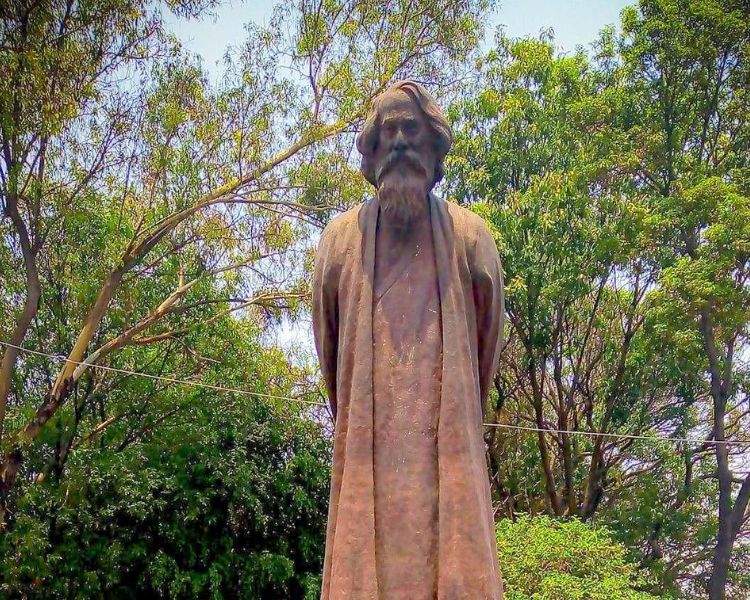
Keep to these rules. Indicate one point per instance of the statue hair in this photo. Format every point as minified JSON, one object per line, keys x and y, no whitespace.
{"x":368,"y":138}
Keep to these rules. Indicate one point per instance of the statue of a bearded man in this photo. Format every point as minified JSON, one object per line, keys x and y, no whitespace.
{"x":408,"y":316}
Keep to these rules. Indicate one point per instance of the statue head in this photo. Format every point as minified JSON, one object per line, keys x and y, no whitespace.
{"x":403,"y":144}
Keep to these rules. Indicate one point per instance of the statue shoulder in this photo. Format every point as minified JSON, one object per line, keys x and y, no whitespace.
{"x":343,"y":221}
{"x":471,"y":225}
{"x":339,"y":231}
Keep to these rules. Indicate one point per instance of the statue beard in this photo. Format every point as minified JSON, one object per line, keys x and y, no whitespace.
{"x":402,"y":189}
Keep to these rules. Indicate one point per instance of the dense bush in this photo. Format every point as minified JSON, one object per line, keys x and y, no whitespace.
{"x":546,"y":559}
{"x":231,"y":505}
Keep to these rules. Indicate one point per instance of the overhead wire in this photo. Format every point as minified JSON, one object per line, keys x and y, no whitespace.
{"x":226,"y":389}
{"x":210,"y":386}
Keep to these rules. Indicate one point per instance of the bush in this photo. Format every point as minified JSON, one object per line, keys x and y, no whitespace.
{"x":231,"y":505}
{"x":547,"y":559}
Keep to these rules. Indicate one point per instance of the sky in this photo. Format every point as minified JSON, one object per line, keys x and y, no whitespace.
{"x":574,"y":22}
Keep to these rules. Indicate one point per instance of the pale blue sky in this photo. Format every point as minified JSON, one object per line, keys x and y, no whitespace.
{"x":575,"y":22}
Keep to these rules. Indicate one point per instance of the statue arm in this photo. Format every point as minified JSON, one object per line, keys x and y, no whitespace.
{"x":325,"y":314}
{"x":489,"y":299}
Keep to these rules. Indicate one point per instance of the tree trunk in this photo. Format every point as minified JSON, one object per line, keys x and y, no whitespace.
{"x":549,"y":476}
{"x":594,"y":488}
{"x":567,"y":452}
{"x":731,"y":514}
{"x":30,"y":307}
{"x":720,"y":565}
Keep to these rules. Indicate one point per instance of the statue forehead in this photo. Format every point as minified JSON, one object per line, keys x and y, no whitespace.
{"x":397,"y":103}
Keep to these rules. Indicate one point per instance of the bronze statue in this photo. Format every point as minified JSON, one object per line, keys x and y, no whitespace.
{"x":408,"y":316}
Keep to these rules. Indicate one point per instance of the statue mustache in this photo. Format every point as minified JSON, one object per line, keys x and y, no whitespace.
{"x":395,"y":157}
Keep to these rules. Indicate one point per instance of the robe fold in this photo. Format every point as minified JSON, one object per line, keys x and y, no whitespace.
{"x":360,"y":563}
{"x":406,"y":366}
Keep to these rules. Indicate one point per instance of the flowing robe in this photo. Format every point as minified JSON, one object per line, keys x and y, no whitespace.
{"x":365,"y":542}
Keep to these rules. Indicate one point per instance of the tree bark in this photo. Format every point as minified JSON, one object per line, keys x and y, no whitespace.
{"x":30,"y":307}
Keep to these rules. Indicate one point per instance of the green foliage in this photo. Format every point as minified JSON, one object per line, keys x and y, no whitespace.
{"x":616,"y":184}
{"x":164,"y":221}
{"x":229,"y":501}
{"x":546,"y":559}
{"x":536,"y":155}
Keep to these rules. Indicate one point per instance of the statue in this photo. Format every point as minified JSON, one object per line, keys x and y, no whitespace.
{"x":407,"y":314}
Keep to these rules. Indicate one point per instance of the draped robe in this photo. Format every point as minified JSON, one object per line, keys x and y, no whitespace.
{"x":436,"y":542}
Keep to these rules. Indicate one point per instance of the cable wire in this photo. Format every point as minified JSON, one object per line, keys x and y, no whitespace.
{"x":210,"y":386}
{"x":626,"y":436}
{"x":221,"y":388}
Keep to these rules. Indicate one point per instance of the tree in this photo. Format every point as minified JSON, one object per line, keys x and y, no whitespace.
{"x":688,"y":67}
{"x":227,"y":498}
{"x":58,"y":59}
{"x":537,"y":155}
{"x":617,"y":188}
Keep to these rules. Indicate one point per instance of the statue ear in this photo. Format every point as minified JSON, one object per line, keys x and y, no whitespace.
{"x":368,"y":139}
{"x":367,"y":142}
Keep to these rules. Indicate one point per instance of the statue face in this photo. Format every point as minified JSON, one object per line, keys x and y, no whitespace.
{"x":405,"y":150}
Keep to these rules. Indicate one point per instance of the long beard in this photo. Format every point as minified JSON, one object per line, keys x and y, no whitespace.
{"x":402,"y":188}
{"x":402,"y":200}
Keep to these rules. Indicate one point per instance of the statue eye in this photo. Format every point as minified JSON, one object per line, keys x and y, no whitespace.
{"x":411,"y":127}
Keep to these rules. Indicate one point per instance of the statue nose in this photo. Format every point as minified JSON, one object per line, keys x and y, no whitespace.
{"x":399,"y":144}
